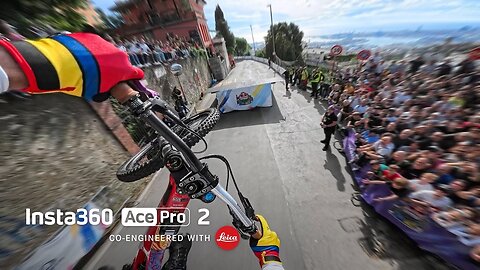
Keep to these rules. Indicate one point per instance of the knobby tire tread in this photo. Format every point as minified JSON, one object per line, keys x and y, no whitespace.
{"x":155,"y":163}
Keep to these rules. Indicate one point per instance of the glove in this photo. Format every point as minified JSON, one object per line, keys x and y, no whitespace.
{"x":81,"y":64}
{"x":267,"y":248}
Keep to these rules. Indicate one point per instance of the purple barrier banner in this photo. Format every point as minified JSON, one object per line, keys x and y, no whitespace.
{"x":451,"y":243}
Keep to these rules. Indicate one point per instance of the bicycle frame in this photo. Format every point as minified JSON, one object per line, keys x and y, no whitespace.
{"x":190,"y":165}
{"x":171,"y":198}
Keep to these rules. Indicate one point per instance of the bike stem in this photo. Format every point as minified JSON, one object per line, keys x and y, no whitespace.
{"x":143,"y":110}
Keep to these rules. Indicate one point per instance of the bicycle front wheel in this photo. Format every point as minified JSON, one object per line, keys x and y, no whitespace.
{"x":149,"y":160}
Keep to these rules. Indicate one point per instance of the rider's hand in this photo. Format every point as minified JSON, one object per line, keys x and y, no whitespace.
{"x":80,"y":64}
{"x":267,"y":248}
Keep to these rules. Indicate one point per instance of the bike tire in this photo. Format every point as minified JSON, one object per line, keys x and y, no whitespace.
{"x":205,"y":121}
{"x":131,"y":170}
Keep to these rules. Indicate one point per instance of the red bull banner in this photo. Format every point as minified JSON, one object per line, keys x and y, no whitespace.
{"x":245,"y":98}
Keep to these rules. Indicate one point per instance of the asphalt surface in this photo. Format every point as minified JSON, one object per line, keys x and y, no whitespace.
{"x":304,"y":192}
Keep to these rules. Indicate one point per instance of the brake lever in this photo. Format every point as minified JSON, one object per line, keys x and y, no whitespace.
{"x":154,"y":101}
{"x":248,"y":207}
{"x":159,"y":105}
{"x":245,"y":232}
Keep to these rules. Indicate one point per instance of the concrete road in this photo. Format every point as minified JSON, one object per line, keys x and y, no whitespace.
{"x":304,"y":192}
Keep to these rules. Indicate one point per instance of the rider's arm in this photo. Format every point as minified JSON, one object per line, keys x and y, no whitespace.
{"x":16,"y":77}
{"x":267,"y":247}
{"x":122,"y":92}
{"x":273,"y":266}
{"x":79,"y":64}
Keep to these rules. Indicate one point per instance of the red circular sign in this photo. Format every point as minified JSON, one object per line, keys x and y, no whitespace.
{"x":336,"y":50}
{"x":227,"y":238}
{"x":475,"y":54}
{"x":364,"y":55}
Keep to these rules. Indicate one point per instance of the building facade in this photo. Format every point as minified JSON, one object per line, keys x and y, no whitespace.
{"x":90,"y":14}
{"x":158,"y":18}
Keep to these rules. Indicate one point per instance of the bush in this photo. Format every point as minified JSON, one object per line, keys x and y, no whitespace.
{"x":260,"y":53}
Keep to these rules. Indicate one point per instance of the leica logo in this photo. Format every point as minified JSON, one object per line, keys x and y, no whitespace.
{"x":227,"y":238}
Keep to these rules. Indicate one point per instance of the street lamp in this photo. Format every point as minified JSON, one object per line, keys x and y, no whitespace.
{"x":177,"y":69}
{"x":251,"y":29}
{"x":271,"y":26}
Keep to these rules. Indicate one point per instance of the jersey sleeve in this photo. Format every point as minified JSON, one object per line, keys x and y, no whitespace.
{"x":273,"y":266}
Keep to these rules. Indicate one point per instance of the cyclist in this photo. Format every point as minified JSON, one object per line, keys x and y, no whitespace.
{"x":87,"y":66}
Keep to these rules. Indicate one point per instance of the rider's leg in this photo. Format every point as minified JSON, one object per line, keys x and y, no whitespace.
{"x":177,"y":259}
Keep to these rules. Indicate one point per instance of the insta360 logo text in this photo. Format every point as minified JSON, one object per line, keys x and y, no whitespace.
{"x":81,"y":216}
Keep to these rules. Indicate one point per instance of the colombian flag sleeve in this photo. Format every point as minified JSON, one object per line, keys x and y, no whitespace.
{"x":267,"y":248}
{"x":81,"y":64}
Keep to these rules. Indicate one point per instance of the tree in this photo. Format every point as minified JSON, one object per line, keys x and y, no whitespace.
{"x":222,"y":28}
{"x":60,"y":14}
{"x":110,"y":21}
{"x":260,"y":53}
{"x":288,"y":41}
{"x":241,"y":46}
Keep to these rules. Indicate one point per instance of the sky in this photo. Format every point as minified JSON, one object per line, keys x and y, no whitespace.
{"x":324,"y":17}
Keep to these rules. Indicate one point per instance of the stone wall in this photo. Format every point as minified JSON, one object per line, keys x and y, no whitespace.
{"x":194,"y":80}
{"x":55,"y":153}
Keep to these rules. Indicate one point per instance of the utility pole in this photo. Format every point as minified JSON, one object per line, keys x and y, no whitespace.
{"x":254,"y":50}
{"x":271,"y":26}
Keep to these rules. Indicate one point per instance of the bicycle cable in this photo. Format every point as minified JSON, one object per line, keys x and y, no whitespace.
{"x":229,"y":172}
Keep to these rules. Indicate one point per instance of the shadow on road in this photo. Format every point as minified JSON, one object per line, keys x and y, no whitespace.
{"x":257,"y":116}
{"x":320,"y":106}
{"x":382,"y":240}
{"x":333,"y":165}
{"x":305,"y":93}
{"x":317,"y":103}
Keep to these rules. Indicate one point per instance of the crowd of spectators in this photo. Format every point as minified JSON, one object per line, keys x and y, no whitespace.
{"x":417,"y":125}
{"x":145,"y":52}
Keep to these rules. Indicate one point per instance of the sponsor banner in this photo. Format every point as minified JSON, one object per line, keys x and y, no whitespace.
{"x":245,"y":98}
{"x":450,"y":243}
{"x":67,"y":247}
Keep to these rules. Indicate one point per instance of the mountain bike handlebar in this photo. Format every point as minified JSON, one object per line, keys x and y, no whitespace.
{"x":200,"y":180}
